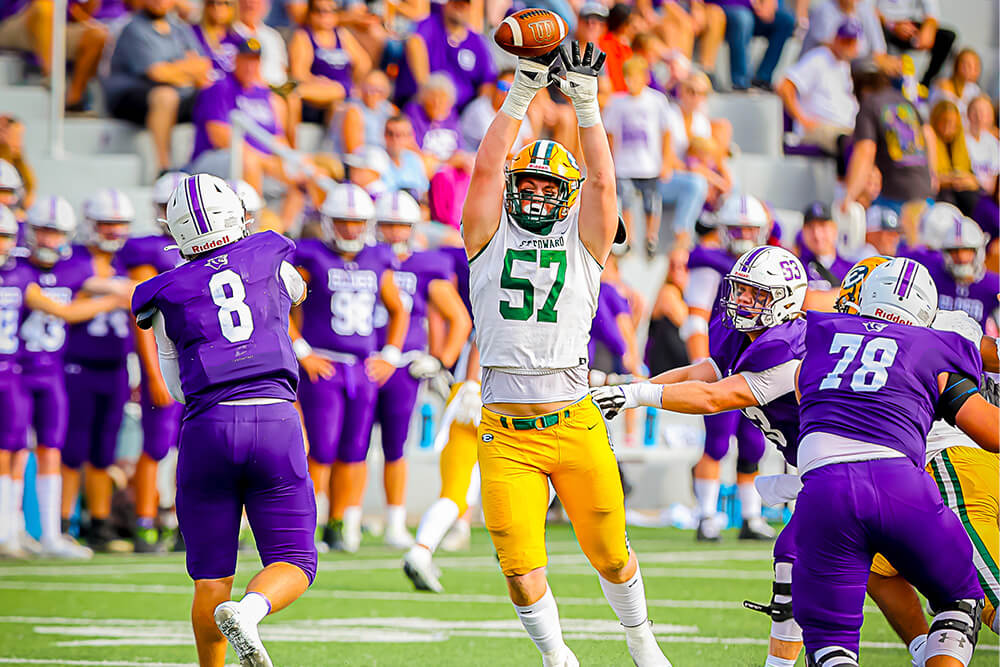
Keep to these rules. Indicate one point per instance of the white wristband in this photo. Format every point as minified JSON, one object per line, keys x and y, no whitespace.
{"x":517,"y":101}
{"x":644,"y":393}
{"x":588,"y":113}
{"x":391,"y":355}
{"x":301,"y":348}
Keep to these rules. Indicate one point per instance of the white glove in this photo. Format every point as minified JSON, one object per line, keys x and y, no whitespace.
{"x":960,"y":322}
{"x":777,"y":489}
{"x":469,"y":404}
{"x":580,"y":81}
{"x":612,"y":399}
{"x":425,"y":366}
{"x":530,"y":77}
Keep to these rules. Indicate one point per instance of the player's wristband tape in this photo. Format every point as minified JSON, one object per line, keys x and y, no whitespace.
{"x":301,"y":348}
{"x":958,"y":389}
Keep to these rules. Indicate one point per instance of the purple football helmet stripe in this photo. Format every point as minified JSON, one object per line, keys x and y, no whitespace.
{"x":194,"y":201}
{"x":903,"y":286}
{"x":748,"y":262}
{"x":52,"y":209}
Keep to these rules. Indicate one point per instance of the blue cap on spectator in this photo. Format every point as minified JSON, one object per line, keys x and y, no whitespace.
{"x":248,"y":47}
{"x":816,"y":211}
{"x":591,"y":8}
{"x":881,"y":219}
{"x":849,"y":29}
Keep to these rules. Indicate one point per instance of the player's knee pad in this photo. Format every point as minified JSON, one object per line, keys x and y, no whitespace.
{"x":783,"y":626}
{"x":746,"y":467}
{"x":954,"y":630}
{"x":832,"y":656}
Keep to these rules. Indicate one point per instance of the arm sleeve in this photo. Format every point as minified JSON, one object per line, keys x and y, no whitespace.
{"x":772,"y":383}
{"x":167,"y":353}
{"x":294,"y":284}
{"x":702,"y":288}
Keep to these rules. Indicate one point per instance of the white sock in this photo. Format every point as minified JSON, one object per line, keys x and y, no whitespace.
{"x":322,"y":509}
{"x":541,"y":622}
{"x":706,"y":492}
{"x":6,"y":508}
{"x":49,"y":505}
{"x":395,"y":517}
{"x":255,"y":606}
{"x":628,"y":600}
{"x":17,"y":516}
{"x":916,"y":649}
{"x":786,"y":631}
{"x":749,"y":500}
{"x":778,"y":662}
{"x":435,"y":523}
{"x":352,"y":520}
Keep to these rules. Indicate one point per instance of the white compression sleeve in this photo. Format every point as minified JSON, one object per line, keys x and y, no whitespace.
{"x":167,"y":353}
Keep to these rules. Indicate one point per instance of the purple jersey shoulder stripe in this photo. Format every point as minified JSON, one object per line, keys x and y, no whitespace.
{"x":194,"y":202}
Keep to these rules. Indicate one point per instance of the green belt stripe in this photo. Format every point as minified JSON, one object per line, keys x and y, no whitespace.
{"x":976,"y":540}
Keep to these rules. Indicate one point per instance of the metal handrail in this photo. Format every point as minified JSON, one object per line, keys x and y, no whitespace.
{"x":242,"y":125}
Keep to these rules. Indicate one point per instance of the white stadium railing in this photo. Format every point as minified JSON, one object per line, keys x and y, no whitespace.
{"x":57,"y":95}
{"x":294,"y":161}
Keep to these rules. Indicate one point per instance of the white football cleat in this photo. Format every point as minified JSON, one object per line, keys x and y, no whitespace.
{"x":65,"y":547}
{"x":643,"y":648}
{"x":242,"y":636}
{"x":398,"y":537}
{"x":352,"y":532}
{"x":12,"y":549}
{"x":561,"y":657}
{"x":29,"y":544}
{"x":418,"y":566}
{"x":457,"y":538}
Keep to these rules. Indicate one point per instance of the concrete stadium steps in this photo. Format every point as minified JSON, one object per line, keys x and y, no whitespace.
{"x":29,"y":103}
{"x":78,"y":176}
{"x":11,"y":69}
{"x":756,"y":120}
{"x":86,"y":136}
{"x":788,"y":182}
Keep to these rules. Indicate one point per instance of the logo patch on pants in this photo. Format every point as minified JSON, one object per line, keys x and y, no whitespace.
{"x":487,"y":437}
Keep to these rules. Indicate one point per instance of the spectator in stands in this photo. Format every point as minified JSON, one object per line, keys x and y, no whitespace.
{"x":26,"y":26}
{"x":958,"y":184}
{"x":407,"y":170}
{"x":445,"y":42}
{"x":826,"y":18}
{"x":593,"y":22}
{"x":982,"y":144}
{"x":710,"y":29}
{"x":746,"y":19}
{"x":362,"y":121}
{"x":324,"y":60}
{"x":883,"y":233}
{"x":817,"y":248}
{"x":872,"y":190}
{"x":216,"y":36}
{"x":156,"y":69}
{"x":665,"y":349}
{"x":704,"y":159}
{"x":818,"y":93}
{"x":244,"y":90}
{"x":114,"y":14}
{"x":432,"y":113}
{"x":482,"y":110}
{"x":889,"y":134}
{"x":12,"y":151}
{"x":273,"y":55}
{"x":963,"y":85}
{"x":369,"y":166}
{"x":912,"y":25}
{"x":617,"y":43}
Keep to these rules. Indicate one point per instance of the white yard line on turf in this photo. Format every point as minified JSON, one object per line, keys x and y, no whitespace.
{"x":93,"y":663}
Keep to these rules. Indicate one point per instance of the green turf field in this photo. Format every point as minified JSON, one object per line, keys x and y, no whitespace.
{"x":130,"y":610}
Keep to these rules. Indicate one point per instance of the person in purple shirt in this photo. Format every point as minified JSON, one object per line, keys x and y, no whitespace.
{"x":869,"y":388}
{"x":425,"y":280}
{"x":960,"y":273}
{"x":432,"y":114}
{"x":444,"y":42}
{"x":144,"y":257}
{"x":337,"y":348}
{"x":97,"y":374}
{"x":221,"y":325}
{"x":817,"y":246}
{"x":216,"y":36}
{"x":758,"y":341}
{"x":243,"y":90}
{"x":63,"y":275}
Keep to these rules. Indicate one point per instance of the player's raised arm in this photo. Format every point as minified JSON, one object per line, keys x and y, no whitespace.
{"x":481,"y":214}
{"x":598,"y":201}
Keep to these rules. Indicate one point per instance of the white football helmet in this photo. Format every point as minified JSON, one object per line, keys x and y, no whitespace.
{"x":165,"y":186}
{"x":965,"y":234}
{"x":55,"y":213}
{"x":737,"y":213}
{"x":397,"y":208}
{"x":902,"y":291}
{"x":346,"y":201}
{"x":203,"y":214}
{"x":108,"y":206}
{"x":250,"y":198}
{"x":775,"y":273}
{"x":8,"y":229}
{"x":10,"y":179}
{"x":937,"y":222}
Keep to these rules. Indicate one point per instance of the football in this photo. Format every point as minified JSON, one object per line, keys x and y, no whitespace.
{"x":530,"y":32}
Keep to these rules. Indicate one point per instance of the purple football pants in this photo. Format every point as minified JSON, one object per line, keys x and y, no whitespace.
{"x":721,"y":427}
{"x":14,"y":409}
{"x":48,"y":405}
{"x":338,"y":414}
{"x":846,"y":513}
{"x":253,"y":456}
{"x":95,"y":414}
{"x":393,"y":410}
{"x":785,"y":550}
{"x":160,"y":426}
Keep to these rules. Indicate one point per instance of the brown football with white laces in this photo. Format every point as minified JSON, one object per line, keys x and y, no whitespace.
{"x":531,"y":32}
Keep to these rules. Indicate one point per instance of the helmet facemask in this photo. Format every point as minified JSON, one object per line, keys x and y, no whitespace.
{"x":341,"y":243}
{"x":967,"y":271}
{"x":110,"y":235}
{"x":751,"y":314}
{"x":534,"y":211}
{"x":399,"y":247}
{"x":50,"y":254}
{"x":7,"y":244}
{"x":739,"y":239}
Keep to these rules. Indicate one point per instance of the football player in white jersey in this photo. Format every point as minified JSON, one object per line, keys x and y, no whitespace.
{"x":537,"y":237}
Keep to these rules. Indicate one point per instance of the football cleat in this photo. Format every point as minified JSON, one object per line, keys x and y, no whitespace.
{"x":105,"y":540}
{"x":242,"y":636}
{"x":12,"y":549}
{"x":29,"y":544}
{"x":709,"y":530}
{"x":756,"y":529}
{"x":66,"y":548}
{"x":418,"y":566}
{"x":147,"y":542}
{"x":398,"y":537}
{"x":643,"y":648}
{"x":333,"y":535}
{"x":561,"y":657}
{"x":457,"y":538}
